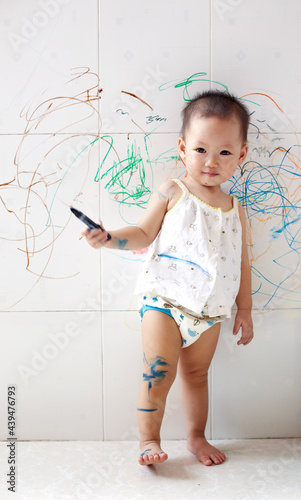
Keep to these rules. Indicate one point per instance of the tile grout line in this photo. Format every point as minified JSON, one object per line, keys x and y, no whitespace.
{"x":99,"y":206}
{"x":210,"y":43}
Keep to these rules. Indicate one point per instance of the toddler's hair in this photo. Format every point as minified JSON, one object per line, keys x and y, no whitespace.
{"x":219,"y":104}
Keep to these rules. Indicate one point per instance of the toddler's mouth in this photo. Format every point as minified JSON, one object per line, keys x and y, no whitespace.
{"x":211,"y":174}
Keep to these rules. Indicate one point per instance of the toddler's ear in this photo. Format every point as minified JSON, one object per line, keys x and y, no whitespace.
{"x":243,"y":153}
{"x":181,"y":149}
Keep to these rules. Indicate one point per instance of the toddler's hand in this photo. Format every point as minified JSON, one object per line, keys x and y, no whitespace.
{"x":243,"y":320}
{"x":95,"y":237}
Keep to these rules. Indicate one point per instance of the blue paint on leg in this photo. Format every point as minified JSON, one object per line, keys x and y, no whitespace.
{"x":155,"y":376}
{"x":146,"y":409}
{"x":146,"y":451}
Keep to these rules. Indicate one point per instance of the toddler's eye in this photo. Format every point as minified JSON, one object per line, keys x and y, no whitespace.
{"x":201,"y":150}
{"x":225,"y":152}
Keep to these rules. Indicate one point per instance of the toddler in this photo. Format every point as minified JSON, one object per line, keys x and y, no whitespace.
{"x":196,"y":269}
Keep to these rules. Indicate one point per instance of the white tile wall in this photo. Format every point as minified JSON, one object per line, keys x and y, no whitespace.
{"x":163,"y":52}
{"x":40,"y":248}
{"x":55,"y":362}
{"x":254,"y":48}
{"x":39,"y":47}
{"x":256,"y":389}
{"x":153,"y":45}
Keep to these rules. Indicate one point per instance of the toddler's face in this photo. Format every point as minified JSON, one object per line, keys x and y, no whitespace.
{"x":212,"y":149}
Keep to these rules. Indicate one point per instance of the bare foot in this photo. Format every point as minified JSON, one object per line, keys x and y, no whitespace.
{"x":152,"y":454}
{"x":205,"y":452}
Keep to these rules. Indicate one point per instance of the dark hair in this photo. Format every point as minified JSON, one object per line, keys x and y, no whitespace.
{"x":216,"y":103}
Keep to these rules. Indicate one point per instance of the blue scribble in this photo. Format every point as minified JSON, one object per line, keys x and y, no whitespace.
{"x":267,"y":186}
{"x":184,"y":260}
{"x":147,"y":409}
{"x":144,"y":453}
{"x":155,"y":376}
{"x":265,"y":193}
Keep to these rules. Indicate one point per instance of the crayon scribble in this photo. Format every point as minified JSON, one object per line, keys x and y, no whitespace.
{"x":41,"y":188}
{"x":136,"y":97}
{"x":37,"y":189}
{"x":270,"y":194}
{"x":155,"y":373}
{"x":268,"y":186}
{"x":126,"y":179}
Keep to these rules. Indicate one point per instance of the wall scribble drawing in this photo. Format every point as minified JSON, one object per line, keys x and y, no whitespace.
{"x":267,"y":185}
{"x":91,"y":101}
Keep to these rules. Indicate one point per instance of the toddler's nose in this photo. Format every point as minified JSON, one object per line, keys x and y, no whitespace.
{"x":211,"y":161}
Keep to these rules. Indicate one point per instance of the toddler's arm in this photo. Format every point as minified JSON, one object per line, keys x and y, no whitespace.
{"x":243,"y":317}
{"x":146,"y":230}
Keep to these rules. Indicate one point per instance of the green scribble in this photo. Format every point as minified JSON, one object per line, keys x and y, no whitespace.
{"x":96,"y":178}
{"x":165,"y":157}
{"x":196,"y":77}
{"x":126,"y":180}
{"x":261,"y":187}
{"x":187,"y":82}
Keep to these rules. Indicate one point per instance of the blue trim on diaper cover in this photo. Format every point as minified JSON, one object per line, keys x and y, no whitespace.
{"x":146,"y":307}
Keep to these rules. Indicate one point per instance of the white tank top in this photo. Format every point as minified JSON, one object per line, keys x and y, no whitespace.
{"x":195,"y":259}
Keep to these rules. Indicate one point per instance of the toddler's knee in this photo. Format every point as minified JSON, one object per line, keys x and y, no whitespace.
{"x":168,"y":378}
{"x":194,"y":376}
{"x":171,"y":375}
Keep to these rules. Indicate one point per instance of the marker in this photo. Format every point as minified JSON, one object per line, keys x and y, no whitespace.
{"x":90,"y":223}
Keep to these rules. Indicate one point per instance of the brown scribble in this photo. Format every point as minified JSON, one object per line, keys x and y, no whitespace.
{"x":33,"y":193}
{"x":136,"y":97}
{"x":7,"y":183}
{"x":35,"y":183}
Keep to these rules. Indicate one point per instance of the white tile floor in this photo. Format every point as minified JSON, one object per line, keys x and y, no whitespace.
{"x":255,"y":469}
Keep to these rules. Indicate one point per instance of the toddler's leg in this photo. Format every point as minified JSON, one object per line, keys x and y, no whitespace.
{"x":193,"y":368}
{"x":161,"y":340}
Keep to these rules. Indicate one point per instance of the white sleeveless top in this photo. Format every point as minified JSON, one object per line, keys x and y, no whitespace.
{"x":195,"y":259}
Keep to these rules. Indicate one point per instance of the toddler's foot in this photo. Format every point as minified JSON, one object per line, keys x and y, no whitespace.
{"x":152,"y":454}
{"x":205,"y":452}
